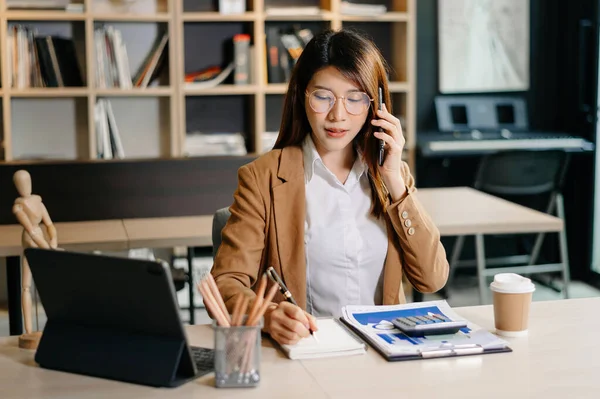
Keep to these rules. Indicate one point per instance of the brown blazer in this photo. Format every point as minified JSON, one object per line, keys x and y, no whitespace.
{"x":266,"y":228}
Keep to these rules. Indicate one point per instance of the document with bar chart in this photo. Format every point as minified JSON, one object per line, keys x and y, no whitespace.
{"x":374,"y":324}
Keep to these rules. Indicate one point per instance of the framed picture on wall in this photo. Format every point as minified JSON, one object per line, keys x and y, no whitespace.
{"x":483,"y":45}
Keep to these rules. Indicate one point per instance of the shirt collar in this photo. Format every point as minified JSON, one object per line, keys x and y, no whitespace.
{"x":311,"y":156}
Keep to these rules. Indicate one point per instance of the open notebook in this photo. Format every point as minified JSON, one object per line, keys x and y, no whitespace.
{"x":334,"y":339}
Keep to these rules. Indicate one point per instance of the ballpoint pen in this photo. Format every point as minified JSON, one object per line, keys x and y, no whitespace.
{"x":285,"y":292}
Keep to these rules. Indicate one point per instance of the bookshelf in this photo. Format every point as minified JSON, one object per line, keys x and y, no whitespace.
{"x":154,"y":121}
{"x":59,"y":122}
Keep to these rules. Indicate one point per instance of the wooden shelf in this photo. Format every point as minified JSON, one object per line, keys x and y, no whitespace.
{"x":281,"y":88}
{"x":162,"y":17}
{"x":24,"y":15}
{"x":49,"y":92}
{"x":217,"y":17}
{"x":221,"y":90}
{"x":164,"y":91}
{"x":323,"y":16}
{"x":398,"y":87}
{"x":169,"y":116}
{"x":275,"y":88}
{"x":387,"y":17}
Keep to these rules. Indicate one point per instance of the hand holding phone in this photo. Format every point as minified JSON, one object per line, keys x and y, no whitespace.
{"x":381,"y":142}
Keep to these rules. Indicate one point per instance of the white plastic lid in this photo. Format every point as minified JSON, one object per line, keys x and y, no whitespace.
{"x":511,"y":283}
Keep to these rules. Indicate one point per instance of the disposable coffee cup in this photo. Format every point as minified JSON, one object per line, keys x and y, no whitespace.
{"x":512,"y":300}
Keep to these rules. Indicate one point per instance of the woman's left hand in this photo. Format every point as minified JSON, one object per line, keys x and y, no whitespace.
{"x":391,"y":170}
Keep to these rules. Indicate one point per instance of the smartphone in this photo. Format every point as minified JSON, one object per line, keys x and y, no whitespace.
{"x":381,"y":142}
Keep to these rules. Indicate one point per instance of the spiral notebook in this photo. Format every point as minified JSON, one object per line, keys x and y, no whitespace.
{"x":333,"y":339}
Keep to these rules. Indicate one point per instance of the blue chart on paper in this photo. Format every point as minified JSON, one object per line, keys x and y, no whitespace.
{"x":382,"y":321}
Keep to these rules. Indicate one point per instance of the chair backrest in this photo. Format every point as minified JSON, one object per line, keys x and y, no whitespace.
{"x":522,"y":172}
{"x":219,"y":221}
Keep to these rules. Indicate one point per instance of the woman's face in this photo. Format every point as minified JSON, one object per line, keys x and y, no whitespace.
{"x":334,"y":127}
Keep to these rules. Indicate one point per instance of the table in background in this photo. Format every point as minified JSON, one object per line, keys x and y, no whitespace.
{"x":104,"y":235}
{"x":465,"y":211}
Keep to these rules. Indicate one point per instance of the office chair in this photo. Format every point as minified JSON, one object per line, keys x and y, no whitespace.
{"x":219,"y":221}
{"x":522,"y":174}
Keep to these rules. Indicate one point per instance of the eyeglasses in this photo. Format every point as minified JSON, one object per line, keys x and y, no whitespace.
{"x":322,"y":101}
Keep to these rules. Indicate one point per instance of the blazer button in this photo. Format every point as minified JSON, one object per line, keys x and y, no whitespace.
{"x":404,"y":215}
{"x":407,"y":223}
{"x":411,"y":231}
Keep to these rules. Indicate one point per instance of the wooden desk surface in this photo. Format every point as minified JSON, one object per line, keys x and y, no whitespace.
{"x":466,"y":211}
{"x":456,"y":211}
{"x":169,"y":232}
{"x":559,"y":359}
{"x":78,"y":236}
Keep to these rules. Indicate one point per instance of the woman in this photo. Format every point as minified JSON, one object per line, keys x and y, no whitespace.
{"x":336,"y":226}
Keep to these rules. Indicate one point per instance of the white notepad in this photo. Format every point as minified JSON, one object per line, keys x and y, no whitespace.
{"x":333,"y":340}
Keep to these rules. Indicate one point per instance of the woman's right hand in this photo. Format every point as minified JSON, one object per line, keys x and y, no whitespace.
{"x":287,"y":324}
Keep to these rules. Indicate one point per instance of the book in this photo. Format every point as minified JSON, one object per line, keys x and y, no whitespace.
{"x":292,"y":10}
{"x":37,"y":4}
{"x":333,"y":339}
{"x":108,"y":138}
{"x":349,"y":8}
{"x":241,"y":56}
{"x":209,"y":78}
{"x":374,"y":325}
{"x":276,"y":73}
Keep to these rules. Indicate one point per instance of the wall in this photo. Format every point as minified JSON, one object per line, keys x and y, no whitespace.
{"x":544,"y":61}
{"x":553,"y":104}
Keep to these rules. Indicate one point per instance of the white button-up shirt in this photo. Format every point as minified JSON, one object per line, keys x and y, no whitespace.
{"x":345,"y":245}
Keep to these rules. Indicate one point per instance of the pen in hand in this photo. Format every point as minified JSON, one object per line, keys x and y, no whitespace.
{"x":286,"y":293}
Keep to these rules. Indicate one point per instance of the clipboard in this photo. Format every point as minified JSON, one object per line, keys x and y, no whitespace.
{"x":479,"y":342}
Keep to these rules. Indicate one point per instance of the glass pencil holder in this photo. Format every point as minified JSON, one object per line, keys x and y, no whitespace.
{"x":237,"y":355}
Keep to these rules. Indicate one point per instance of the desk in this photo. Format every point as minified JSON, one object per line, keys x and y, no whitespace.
{"x":76,"y":236}
{"x":466,"y":211}
{"x":547,"y":364}
{"x":116,"y":235}
{"x":460,"y":210}
{"x":190,"y":231}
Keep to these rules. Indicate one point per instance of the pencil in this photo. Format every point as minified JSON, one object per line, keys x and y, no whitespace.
{"x":212,"y":304}
{"x":237,"y":308}
{"x":262,"y":285}
{"x":212,"y":285}
{"x":264,"y":306}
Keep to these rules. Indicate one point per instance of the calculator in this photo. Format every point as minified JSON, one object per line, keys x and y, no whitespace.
{"x":431,"y":324}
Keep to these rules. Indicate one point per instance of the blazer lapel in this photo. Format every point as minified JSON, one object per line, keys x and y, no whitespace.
{"x":289,"y":215}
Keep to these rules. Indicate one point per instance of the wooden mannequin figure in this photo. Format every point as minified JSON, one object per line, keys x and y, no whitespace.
{"x":31,"y":214}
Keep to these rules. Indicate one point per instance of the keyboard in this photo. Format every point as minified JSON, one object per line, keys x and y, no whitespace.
{"x":518,"y":141}
{"x":204,"y":358}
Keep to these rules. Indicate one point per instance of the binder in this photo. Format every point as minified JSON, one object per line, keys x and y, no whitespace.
{"x":372,"y":324}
